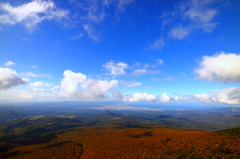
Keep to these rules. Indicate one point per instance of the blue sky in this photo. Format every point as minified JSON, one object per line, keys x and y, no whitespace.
{"x":128,"y":50}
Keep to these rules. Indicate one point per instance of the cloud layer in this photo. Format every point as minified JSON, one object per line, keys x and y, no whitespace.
{"x":40,"y":84}
{"x":135,"y":97}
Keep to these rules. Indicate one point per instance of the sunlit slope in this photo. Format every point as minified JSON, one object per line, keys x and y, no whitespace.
{"x":92,"y":143}
{"x":115,"y":135}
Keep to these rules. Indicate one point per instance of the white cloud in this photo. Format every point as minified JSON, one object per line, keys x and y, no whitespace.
{"x":199,"y":13}
{"x":180,"y":98}
{"x":55,"y":88}
{"x":31,"y":74}
{"x":138,"y":64}
{"x":9,"y":63}
{"x":78,"y":86}
{"x":116,"y":69}
{"x":78,"y":36}
{"x":229,"y":95}
{"x":88,"y":28}
{"x":24,"y":95}
{"x":120,"y":68}
{"x":194,"y":14}
{"x":40,"y":84}
{"x":226,"y":96}
{"x":164,"y":98}
{"x":117,"y":95}
{"x":205,"y":97}
{"x":9,"y":78}
{"x":31,"y":13}
{"x":222,"y":68}
{"x":140,"y":71}
{"x":122,"y":3}
{"x":169,"y":78}
{"x":71,"y":80}
{"x":95,"y":11}
{"x":135,"y":97}
{"x":158,"y":44}
{"x":34,"y":67}
{"x":131,"y":83}
{"x":179,"y":32}
{"x":145,"y":71}
{"x":94,"y":85}
{"x":147,"y":65}
{"x":160,"y":61}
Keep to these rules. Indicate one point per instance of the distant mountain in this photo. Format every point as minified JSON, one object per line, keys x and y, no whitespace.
{"x":10,"y":115}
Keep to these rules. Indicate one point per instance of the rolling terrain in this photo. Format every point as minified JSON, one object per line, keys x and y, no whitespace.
{"x":94,"y":133}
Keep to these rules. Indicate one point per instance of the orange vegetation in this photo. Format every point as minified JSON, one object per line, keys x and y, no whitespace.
{"x":134,"y":143}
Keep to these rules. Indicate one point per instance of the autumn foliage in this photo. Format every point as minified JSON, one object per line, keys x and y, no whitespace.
{"x":134,"y":143}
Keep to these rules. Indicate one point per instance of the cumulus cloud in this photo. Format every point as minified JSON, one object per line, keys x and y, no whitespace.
{"x":205,"y":97}
{"x":222,"y":68}
{"x":116,"y":69}
{"x":9,"y":78}
{"x":9,"y":63}
{"x":226,"y":96}
{"x":164,"y":98}
{"x":31,"y":13}
{"x":131,"y":83}
{"x":135,"y":97}
{"x":40,"y":84}
{"x":182,"y":98}
{"x":94,"y":85}
{"x":158,"y":44}
{"x":71,"y":80}
{"x":78,"y":86}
